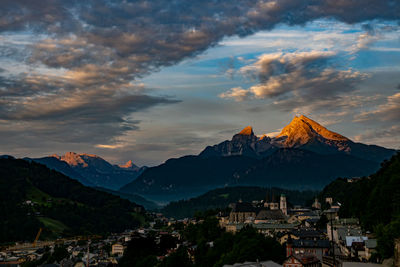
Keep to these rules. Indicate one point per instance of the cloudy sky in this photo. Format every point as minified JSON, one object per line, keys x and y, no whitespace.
{"x":150,"y":80}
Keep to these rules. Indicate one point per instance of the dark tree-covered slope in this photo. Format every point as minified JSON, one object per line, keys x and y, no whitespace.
{"x":57,"y":200}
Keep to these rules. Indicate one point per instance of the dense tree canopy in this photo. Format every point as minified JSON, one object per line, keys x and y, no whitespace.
{"x":209,"y":245}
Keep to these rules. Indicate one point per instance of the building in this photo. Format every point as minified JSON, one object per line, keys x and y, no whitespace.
{"x":117,"y":249}
{"x":342,"y":228}
{"x":303,"y":216}
{"x":329,"y":200}
{"x":242,"y":212}
{"x":316,"y":204}
{"x":318,"y":248}
{"x":370,"y":248}
{"x":303,"y":233}
{"x":270,"y":216}
{"x":302,"y":261}
{"x":273,"y":204}
{"x":268,"y":229}
{"x":299,"y":260}
{"x":255,"y":264}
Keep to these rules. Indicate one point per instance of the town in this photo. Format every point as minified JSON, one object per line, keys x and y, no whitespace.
{"x":311,"y":237}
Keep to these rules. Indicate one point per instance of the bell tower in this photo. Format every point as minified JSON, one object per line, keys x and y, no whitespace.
{"x":283,"y":204}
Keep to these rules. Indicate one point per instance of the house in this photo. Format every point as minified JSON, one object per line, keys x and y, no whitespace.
{"x":318,"y":248}
{"x":311,"y":223}
{"x":293,"y":219}
{"x":117,"y":249}
{"x":255,"y":264}
{"x":269,"y":216}
{"x":358,"y":250}
{"x":272,"y":229}
{"x":342,"y":228}
{"x":351,"y":239}
{"x":302,"y":233}
{"x":300,"y":216}
{"x":302,"y":261}
{"x":299,"y":260}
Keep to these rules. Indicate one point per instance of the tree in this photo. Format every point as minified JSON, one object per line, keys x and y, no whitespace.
{"x":179,"y":258}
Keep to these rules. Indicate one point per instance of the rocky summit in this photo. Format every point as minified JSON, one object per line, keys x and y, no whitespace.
{"x":305,"y":155}
{"x":302,"y":132}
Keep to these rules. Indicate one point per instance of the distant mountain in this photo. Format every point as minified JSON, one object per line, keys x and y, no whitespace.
{"x":92,"y":170}
{"x":56,"y":164}
{"x":287,"y":168}
{"x":302,"y":133}
{"x":187,"y":176}
{"x":33,"y":196}
{"x":220,"y":199}
{"x":305,"y":155}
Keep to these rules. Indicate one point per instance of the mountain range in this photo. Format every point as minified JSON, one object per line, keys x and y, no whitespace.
{"x":305,"y":155}
{"x":92,"y":170}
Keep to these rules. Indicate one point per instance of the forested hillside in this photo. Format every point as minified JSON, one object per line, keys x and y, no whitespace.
{"x":375,"y":200}
{"x":34,"y":196}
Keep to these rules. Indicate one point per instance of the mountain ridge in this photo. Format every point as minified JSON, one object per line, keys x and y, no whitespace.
{"x":92,"y":170}
{"x":288,"y":168}
{"x":304,"y":155}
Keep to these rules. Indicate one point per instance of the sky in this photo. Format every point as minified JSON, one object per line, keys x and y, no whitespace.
{"x":150,"y":80}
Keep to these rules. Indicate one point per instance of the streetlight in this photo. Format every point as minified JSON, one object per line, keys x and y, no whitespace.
{"x":331,"y":215}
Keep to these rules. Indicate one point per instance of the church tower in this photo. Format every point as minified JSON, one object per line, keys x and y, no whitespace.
{"x":283,"y":204}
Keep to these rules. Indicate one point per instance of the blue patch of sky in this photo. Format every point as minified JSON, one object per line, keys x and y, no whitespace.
{"x":371,"y":59}
{"x":204,"y":75}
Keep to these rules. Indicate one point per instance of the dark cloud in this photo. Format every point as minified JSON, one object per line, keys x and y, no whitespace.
{"x":161,"y":33}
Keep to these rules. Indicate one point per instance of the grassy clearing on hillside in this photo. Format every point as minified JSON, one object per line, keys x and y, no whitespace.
{"x":37,"y":196}
{"x":53,"y":226}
